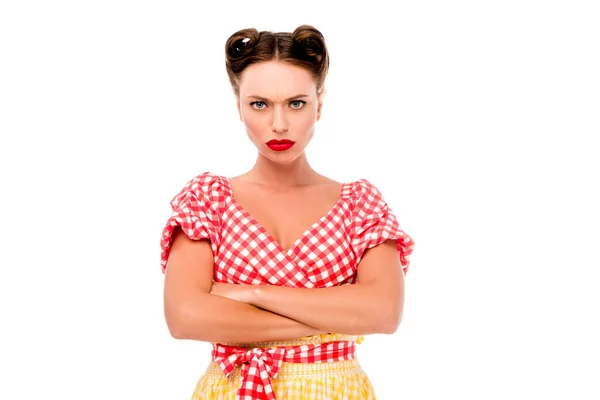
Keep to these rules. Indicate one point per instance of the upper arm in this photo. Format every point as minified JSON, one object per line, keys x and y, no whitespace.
{"x":382,"y":250}
{"x":189,"y":272}
{"x":189,"y":239}
{"x":380,"y":268}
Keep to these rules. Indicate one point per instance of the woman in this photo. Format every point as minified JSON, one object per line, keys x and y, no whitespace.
{"x":282,"y":269}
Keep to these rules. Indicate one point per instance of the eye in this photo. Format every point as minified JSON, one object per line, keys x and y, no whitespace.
{"x":297,"y":104}
{"x":258,"y":105}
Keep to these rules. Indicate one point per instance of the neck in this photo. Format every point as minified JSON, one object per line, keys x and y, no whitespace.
{"x":296,"y":173}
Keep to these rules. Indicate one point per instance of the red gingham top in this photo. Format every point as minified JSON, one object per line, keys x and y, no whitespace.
{"x":326,"y":254}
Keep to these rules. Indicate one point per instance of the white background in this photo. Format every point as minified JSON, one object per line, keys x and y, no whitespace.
{"x":475,"y":119}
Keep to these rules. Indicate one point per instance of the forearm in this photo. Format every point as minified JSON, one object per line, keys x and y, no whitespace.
{"x":357,"y":309}
{"x":211,"y":318}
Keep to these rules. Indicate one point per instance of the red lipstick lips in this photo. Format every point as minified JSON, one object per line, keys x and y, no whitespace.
{"x":280,"y":145}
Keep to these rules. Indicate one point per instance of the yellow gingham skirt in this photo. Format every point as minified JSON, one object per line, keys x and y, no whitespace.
{"x":340,"y":380}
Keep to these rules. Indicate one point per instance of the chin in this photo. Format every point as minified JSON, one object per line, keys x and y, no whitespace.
{"x":283,"y":159}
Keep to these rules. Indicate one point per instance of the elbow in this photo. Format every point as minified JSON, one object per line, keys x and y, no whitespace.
{"x":186,"y":319}
{"x":380,"y":316}
{"x":177,"y":322}
{"x":177,"y":332}
{"x":389,"y":320}
{"x":186,"y":323}
{"x":390,"y":327}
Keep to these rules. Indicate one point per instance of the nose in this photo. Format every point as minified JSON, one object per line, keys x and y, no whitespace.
{"x":279,"y":122}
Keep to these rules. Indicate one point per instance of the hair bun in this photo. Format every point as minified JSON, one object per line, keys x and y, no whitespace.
{"x":310,"y":42}
{"x":241,"y":43}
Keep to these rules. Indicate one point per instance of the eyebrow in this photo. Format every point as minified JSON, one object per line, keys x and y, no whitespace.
{"x":288,"y":99}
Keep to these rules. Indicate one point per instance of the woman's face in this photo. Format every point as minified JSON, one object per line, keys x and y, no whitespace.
{"x":278,"y":101}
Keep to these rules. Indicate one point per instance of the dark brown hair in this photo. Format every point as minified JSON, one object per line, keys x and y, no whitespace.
{"x":305,"y":47}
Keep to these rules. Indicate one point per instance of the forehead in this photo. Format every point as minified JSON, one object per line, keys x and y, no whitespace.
{"x":274,"y":79}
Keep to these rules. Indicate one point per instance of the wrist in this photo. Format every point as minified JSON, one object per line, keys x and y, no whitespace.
{"x":254,"y":295}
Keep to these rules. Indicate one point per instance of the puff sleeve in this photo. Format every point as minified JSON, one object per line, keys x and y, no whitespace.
{"x":195,"y":211}
{"x":374,"y":223}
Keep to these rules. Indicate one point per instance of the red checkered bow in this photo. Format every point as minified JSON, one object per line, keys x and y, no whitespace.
{"x":258,"y":367}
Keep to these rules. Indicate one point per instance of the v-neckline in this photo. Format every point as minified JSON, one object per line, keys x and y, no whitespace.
{"x":268,"y":235}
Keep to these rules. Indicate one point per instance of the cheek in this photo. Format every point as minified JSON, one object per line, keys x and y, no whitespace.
{"x":305,"y":121}
{"x":254,"y":123}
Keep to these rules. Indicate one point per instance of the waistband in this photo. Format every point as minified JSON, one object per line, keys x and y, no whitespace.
{"x":315,"y":339}
{"x":259,"y":365}
{"x":296,"y":370}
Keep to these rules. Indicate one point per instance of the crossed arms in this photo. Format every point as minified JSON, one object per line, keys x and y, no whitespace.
{"x":196,"y":308}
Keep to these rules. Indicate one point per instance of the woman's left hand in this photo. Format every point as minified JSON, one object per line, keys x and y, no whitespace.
{"x":242,"y":293}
